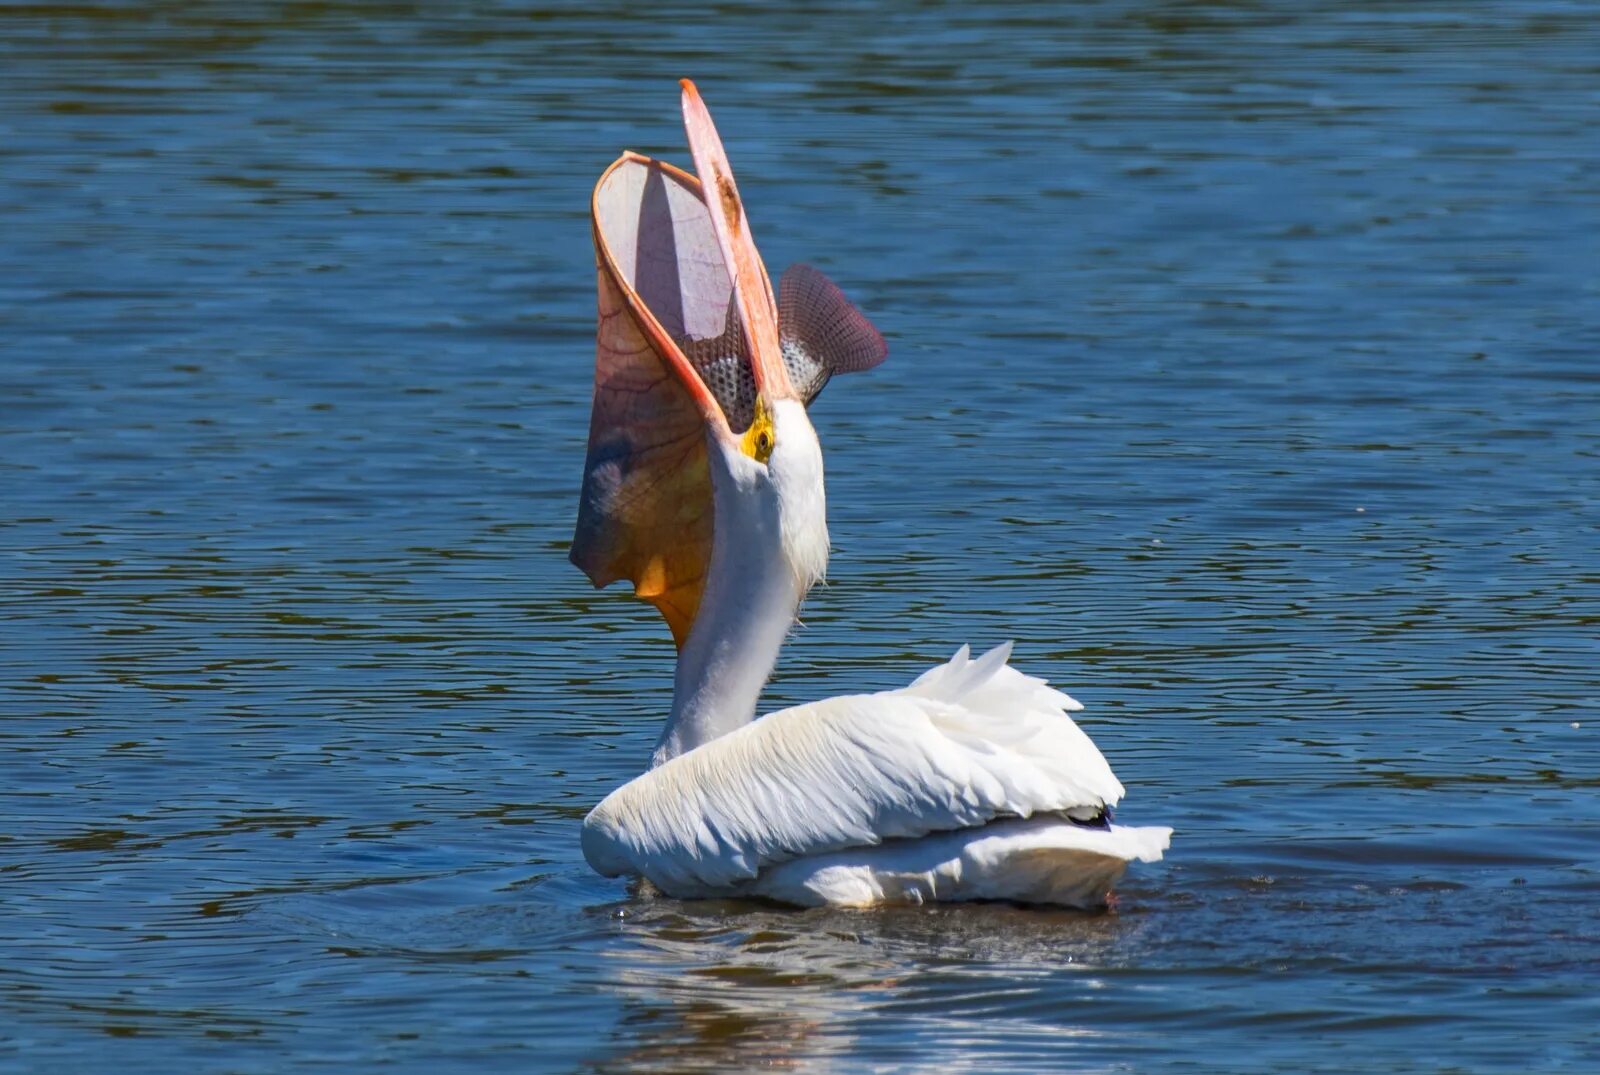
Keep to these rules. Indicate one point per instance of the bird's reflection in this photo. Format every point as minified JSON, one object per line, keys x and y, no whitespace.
{"x":717,"y":985}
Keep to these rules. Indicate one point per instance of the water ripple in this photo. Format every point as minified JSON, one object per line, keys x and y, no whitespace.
{"x":1242,"y":373}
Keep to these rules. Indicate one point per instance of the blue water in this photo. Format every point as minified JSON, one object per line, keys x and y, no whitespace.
{"x":1243,"y":369}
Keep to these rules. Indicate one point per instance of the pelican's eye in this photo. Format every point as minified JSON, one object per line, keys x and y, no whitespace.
{"x":761,"y":437}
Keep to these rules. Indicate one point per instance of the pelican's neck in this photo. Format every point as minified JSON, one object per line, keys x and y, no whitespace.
{"x":769,"y":544}
{"x":746,"y":608}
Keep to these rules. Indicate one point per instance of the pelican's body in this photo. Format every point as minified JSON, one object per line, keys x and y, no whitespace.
{"x":971,"y":783}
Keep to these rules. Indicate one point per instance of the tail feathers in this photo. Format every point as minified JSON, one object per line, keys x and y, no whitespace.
{"x":1018,"y":724}
{"x":988,"y":681}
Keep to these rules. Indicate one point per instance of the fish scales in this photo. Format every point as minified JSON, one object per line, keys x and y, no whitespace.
{"x":820,"y":332}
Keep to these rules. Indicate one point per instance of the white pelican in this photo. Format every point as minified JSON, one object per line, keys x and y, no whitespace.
{"x":704,"y":486}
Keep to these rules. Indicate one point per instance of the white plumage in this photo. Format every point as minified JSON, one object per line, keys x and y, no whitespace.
{"x":971,"y":783}
{"x":1034,"y":860}
{"x":890,"y":797}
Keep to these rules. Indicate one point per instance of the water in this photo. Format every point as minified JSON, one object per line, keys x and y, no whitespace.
{"x":1243,"y":370}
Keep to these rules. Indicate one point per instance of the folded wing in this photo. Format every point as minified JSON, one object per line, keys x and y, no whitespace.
{"x":969,"y":742}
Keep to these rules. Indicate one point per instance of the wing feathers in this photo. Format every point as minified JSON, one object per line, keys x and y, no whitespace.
{"x":970,"y":741}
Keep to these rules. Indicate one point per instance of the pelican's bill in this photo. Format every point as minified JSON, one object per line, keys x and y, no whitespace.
{"x":673,"y":363}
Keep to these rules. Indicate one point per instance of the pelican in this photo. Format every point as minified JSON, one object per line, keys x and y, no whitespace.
{"x":703,"y":486}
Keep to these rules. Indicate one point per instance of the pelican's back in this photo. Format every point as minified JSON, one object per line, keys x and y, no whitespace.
{"x":814,"y":803}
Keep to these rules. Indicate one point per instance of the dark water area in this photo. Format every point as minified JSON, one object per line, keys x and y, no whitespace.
{"x":1245,"y":370}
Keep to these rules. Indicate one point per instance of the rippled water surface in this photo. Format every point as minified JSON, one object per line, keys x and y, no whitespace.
{"x":1245,"y":369}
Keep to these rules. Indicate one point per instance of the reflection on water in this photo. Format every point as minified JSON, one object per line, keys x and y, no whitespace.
{"x":786,"y":989}
{"x":1242,"y":371}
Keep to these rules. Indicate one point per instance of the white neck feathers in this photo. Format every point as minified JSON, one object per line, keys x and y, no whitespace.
{"x":769,"y":545}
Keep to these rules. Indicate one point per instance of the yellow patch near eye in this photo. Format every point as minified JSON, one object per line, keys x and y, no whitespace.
{"x":761,"y":437}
